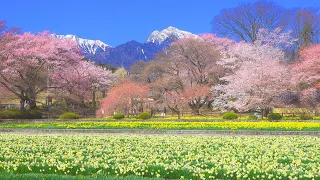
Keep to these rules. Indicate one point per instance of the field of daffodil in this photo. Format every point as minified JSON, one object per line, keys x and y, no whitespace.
{"x":228,"y":125}
{"x":169,"y":157}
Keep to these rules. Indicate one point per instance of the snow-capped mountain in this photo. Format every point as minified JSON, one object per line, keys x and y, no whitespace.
{"x":126,"y":54}
{"x":87,"y":45}
{"x":160,"y":36}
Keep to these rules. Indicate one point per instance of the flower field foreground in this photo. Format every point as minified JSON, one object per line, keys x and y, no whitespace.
{"x":170,"y":157}
{"x":228,"y":125}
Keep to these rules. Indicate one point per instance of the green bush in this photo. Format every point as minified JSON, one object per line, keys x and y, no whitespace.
{"x":306,"y":117}
{"x":118,"y":116}
{"x":316,"y":117}
{"x":10,"y":114}
{"x":252,"y":117}
{"x":230,"y":115}
{"x":17,"y":114}
{"x":69,"y":115}
{"x":274,"y":116}
{"x":32,"y":114}
{"x":144,"y":115}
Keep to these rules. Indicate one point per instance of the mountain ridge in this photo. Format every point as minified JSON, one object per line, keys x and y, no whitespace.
{"x":126,"y":54}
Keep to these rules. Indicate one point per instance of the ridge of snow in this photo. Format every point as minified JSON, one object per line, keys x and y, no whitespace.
{"x":90,"y":46}
{"x":160,"y":36}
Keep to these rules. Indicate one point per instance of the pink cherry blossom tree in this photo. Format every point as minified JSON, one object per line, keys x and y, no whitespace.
{"x":259,"y":74}
{"x":257,"y":84}
{"x":82,"y":80}
{"x":307,"y":77}
{"x":28,"y":61}
{"x":124,"y":97}
{"x":191,"y":96}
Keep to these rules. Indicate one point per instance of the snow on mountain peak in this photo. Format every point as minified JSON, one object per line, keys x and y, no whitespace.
{"x":88,"y":45}
{"x":160,"y":36}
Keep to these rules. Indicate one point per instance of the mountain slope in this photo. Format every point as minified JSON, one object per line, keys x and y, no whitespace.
{"x":126,"y":54}
{"x":87,"y":45}
{"x":161,"y":36}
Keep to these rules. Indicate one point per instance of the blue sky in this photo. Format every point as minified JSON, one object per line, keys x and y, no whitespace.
{"x":118,"y":21}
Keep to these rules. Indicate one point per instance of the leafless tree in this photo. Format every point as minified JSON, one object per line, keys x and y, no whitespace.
{"x":187,"y":63}
{"x":245,"y":20}
{"x":306,"y":26}
{"x":136,"y":70}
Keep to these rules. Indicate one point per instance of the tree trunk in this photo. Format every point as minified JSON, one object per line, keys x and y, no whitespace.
{"x":32,"y":103}
{"x":126,"y":111}
{"x":32,"y":97}
{"x":103,"y":93}
{"x":94,"y":103}
{"x":22,"y":104}
{"x":315,"y":111}
{"x":197,"y":104}
{"x":196,"y":111}
{"x":179,"y":116}
{"x":266,"y":111}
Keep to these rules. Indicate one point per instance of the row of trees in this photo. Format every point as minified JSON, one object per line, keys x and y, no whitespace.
{"x":31,"y":64}
{"x":272,"y":62}
{"x":209,"y":72}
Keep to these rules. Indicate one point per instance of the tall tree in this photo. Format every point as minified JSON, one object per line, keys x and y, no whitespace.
{"x":120,"y":73}
{"x":306,"y":26}
{"x":244,"y":21}
{"x":28,"y":60}
{"x":82,"y":81}
{"x":257,"y":83}
{"x":259,"y":74}
{"x":137,"y":69}
{"x":187,"y":63}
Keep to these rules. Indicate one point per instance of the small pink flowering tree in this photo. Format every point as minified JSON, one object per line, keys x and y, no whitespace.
{"x":307,"y":77}
{"x":123,"y":97}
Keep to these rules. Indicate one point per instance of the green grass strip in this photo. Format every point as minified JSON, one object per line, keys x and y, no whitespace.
{"x":228,"y":125}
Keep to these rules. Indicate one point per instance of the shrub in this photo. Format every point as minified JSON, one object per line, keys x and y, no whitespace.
{"x":69,"y":115}
{"x":230,"y":115}
{"x":252,"y":117}
{"x":144,"y":115}
{"x":31,"y":114}
{"x":10,"y":114}
{"x":17,"y":114}
{"x":316,"y":118}
{"x":274,"y":116}
{"x":118,"y":116}
{"x":306,"y":117}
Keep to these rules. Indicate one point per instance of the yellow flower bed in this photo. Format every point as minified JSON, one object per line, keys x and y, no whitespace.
{"x":228,"y":125}
{"x":168,"y":157}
